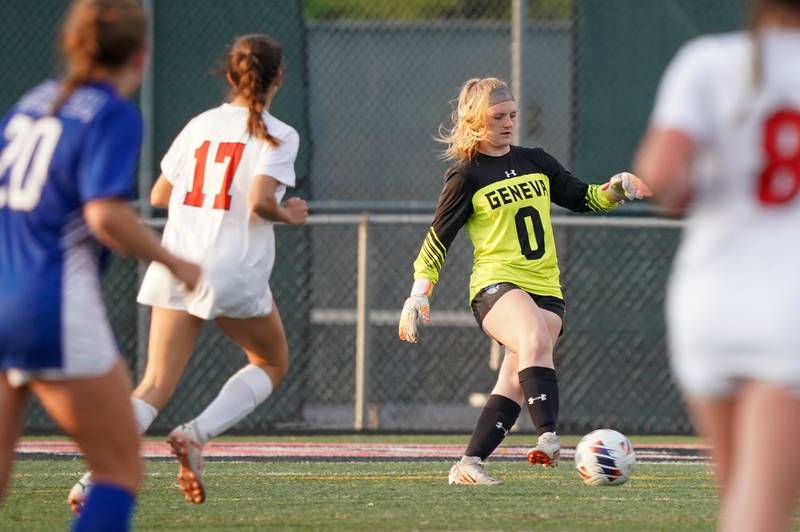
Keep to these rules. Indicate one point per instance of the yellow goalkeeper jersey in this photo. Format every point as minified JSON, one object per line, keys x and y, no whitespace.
{"x":505,"y":204}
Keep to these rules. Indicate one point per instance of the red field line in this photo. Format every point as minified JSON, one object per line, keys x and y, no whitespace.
{"x":344,"y":450}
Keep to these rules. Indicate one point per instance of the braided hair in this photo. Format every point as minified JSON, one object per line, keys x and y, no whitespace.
{"x":254,"y":62}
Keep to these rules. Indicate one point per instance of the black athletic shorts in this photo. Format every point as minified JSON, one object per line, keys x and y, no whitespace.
{"x":483,"y":302}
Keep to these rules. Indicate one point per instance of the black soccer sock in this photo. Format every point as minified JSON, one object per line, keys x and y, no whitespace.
{"x":540,"y":386}
{"x":497,"y":417}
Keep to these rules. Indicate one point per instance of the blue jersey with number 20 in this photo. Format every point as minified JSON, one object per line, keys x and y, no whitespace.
{"x":50,"y":166}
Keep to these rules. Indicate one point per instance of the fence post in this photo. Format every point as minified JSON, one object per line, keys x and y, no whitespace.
{"x":145,"y":179}
{"x":518,"y":23}
{"x":362,"y":327}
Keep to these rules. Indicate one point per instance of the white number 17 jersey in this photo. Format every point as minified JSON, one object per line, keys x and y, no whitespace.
{"x":211,"y":165}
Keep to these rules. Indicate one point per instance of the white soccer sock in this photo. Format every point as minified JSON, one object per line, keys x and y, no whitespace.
{"x":244,"y":391}
{"x":144,"y":413}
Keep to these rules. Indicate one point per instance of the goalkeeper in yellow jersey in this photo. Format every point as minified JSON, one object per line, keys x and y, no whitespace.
{"x":502,"y":193}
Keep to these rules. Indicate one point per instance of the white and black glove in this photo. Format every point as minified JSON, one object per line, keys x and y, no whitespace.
{"x":628,"y":186}
{"x":416,"y":310}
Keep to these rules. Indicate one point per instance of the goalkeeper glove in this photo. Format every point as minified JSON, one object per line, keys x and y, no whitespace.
{"x":628,"y":186}
{"x":416,"y":309}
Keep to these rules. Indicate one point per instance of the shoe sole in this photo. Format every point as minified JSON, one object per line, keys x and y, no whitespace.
{"x":188,"y":481}
{"x":537,"y":457}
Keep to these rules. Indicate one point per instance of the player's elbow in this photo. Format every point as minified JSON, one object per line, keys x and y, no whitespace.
{"x":101,"y":218}
{"x":266,"y":208}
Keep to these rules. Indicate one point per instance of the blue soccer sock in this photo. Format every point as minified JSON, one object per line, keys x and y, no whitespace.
{"x":108,"y":508}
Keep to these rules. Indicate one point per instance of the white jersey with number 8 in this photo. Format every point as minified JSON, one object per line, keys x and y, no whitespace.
{"x":735,"y":286}
{"x":211,"y":165}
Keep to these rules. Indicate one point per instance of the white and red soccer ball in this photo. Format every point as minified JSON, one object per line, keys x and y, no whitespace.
{"x":604,"y":457}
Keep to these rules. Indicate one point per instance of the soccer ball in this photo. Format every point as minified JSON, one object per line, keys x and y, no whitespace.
{"x":604,"y":457}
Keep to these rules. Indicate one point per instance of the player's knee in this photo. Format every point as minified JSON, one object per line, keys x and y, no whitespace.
{"x":277,"y":372}
{"x":275,"y":362}
{"x":536,"y":349}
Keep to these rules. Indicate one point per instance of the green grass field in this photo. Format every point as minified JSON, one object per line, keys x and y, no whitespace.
{"x":382,"y":496}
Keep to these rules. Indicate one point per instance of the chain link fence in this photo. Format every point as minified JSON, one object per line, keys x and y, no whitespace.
{"x":611,"y":359}
{"x":368,"y":83}
{"x":381,"y":86}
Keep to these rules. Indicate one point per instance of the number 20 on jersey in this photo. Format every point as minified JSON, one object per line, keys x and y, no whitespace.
{"x":26,"y":158}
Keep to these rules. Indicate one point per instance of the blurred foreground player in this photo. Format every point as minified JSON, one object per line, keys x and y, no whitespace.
{"x":68,"y":151}
{"x":724,"y":145}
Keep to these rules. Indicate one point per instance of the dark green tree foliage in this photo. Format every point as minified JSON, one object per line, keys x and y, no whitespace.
{"x":432,"y":9}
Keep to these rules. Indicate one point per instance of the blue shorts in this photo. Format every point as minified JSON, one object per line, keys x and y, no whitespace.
{"x":57,"y":328}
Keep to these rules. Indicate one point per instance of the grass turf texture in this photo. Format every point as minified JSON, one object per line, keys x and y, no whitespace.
{"x":380,"y":496}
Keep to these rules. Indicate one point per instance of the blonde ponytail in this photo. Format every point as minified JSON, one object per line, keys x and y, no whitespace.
{"x":468,"y":119}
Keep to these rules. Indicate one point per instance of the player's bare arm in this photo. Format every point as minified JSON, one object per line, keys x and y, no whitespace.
{"x":159,"y":196}
{"x":663,"y":162}
{"x":263,"y":203}
{"x":116,"y":225}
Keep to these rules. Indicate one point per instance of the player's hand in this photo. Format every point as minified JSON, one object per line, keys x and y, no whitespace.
{"x":186,"y":272}
{"x":296,"y":211}
{"x":628,"y":186}
{"x":416,"y":309}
